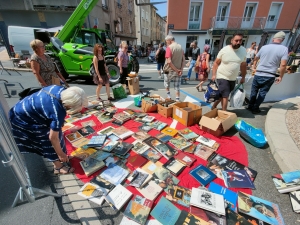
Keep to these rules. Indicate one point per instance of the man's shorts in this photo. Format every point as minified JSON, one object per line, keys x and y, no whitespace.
{"x":248,"y":60}
{"x":172,"y":75}
{"x":160,"y":66}
{"x":225,"y":87}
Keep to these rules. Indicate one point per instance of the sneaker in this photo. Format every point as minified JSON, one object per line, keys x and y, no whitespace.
{"x":248,"y":108}
{"x":256,"y":111}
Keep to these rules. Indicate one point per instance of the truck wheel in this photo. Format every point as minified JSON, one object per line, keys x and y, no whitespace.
{"x":135,"y":65}
{"x":114,"y":72}
{"x":61,"y":68}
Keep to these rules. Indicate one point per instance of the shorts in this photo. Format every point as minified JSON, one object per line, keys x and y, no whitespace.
{"x":248,"y":60}
{"x":172,"y":75}
{"x":160,"y":66}
{"x":225,"y":87}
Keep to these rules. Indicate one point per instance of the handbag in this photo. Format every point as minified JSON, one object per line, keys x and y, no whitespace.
{"x":92,"y":70}
{"x":166,"y":68}
{"x":212,"y":93}
{"x":119,"y":91}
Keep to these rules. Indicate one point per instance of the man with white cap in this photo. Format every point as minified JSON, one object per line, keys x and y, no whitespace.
{"x":269,"y":56}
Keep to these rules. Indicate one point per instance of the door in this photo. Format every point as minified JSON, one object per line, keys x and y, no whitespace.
{"x":222,"y":15}
{"x":273,"y":16}
{"x":249,"y":14}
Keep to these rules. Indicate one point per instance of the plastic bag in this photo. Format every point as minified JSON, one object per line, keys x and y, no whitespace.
{"x":253,"y":135}
{"x":119,"y":92}
{"x":238,"y":96}
{"x":212,"y":92}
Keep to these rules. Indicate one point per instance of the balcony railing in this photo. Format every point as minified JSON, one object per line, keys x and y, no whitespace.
{"x":194,"y":25}
{"x":236,"y":23}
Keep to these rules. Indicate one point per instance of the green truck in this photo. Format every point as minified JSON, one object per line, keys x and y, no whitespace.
{"x":72,"y":47}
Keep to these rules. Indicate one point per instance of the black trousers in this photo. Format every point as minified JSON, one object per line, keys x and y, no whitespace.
{"x":124,"y":75}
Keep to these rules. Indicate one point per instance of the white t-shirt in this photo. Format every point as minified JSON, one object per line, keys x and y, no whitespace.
{"x":231,"y":60}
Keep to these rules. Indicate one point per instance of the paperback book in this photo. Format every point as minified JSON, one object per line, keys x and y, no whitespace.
{"x":133,"y":176}
{"x":86,"y":131}
{"x":180,"y":143}
{"x":105,"y":117}
{"x":163,"y":177}
{"x":122,"y":117}
{"x":141,"y":135}
{"x":202,"y":174}
{"x":139,"y":147}
{"x":166,"y":150}
{"x":67,"y":126}
{"x":145,"y":128}
{"x":105,"y":185}
{"x":114,"y":174}
{"x":169,"y":131}
{"x":140,"y":114}
{"x":185,"y":159}
{"x":83,"y":152}
{"x":80,"y":143}
{"x":295,"y":200}
{"x":110,"y":146}
{"x":113,"y":137}
{"x":88,"y":123}
{"x":150,"y":167}
{"x":208,"y":142}
{"x":138,"y":178}
{"x":259,"y":208}
{"x":97,"y":141}
{"x":150,"y":190}
{"x":100,"y":155}
{"x":191,"y":149}
{"x":73,"y":136}
{"x":122,"y":148}
{"x":119,"y":196}
{"x":209,"y":216}
{"x":287,"y":182}
{"x":129,"y":112}
{"x":146,"y":151}
{"x":91,"y":165}
{"x":157,"y":125}
{"x":237,"y":179}
{"x":235,"y":218}
{"x":187,"y":134}
{"x":174,"y":166}
{"x":163,"y":137}
{"x":122,"y":132}
{"x":107,"y":131}
{"x":92,"y":192}
{"x":148,"y":119}
{"x":138,"y":209}
{"x":203,"y":151}
{"x":179,"y":195}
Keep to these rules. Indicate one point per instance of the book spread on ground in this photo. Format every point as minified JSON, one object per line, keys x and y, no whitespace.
{"x":83,"y":152}
{"x":105,"y":117}
{"x":203,"y":151}
{"x":259,"y":208}
{"x":178,"y":194}
{"x":114,"y":174}
{"x":129,"y":112}
{"x":80,"y":143}
{"x":133,"y":176}
{"x":145,"y":128}
{"x":136,"y":161}
{"x":141,"y":135}
{"x":208,"y":201}
{"x":122,"y":132}
{"x":169,"y":131}
{"x":122,"y":117}
{"x":163,"y":177}
{"x":148,"y":119}
{"x":208,"y":142}
{"x":237,"y":179}
{"x":174,"y":166}
{"x":151,"y":154}
{"x":157,"y":125}
{"x":163,"y":137}
{"x":150,"y":190}
{"x":166,"y":150}
{"x":122,"y":148}
{"x":138,"y":209}
{"x":190,"y":219}
{"x":295,"y":200}
{"x":202,"y":174}
{"x":188,"y":134}
{"x":191,"y":149}
{"x":139,"y":147}
{"x":209,"y":216}
{"x":110,"y":146}
{"x":96,"y":141}
{"x":185,"y":159}
{"x":150,"y":167}
{"x":103,"y":184}
{"x":67,"y":126}
{"x":235,"y":218}
{"x":91,"y":165}
{"x":113,"y":137}
{"x":230,"y":197}
{"x":107,"y":131}
{"x":119,"y":196}
{"x":180,"y":143}
{"x":290,"y":183}
{"x":88,"y":123}
{"x":92,"y":192}
{"x":86,"y":131}
{"x":100,"y":155}
{"x":73,"y":136}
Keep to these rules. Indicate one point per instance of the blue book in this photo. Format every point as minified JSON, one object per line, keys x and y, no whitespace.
{"x":165,"y":212}
{"x":97,"y":141}
{"x":237,"y":179}
{"x":229,"y":196}
{"x":203,"y":175}
{"x":291,"y":176}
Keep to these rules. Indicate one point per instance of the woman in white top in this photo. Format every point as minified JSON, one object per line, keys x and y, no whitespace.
{"x":251,"y":53}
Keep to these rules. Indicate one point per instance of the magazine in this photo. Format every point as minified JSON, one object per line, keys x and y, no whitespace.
{"x":166,"y":150}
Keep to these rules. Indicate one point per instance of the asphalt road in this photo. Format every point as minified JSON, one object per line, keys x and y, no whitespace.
{"x":48,"y":210}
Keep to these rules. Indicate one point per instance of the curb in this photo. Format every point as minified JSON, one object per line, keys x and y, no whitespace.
{"x":17,"y":69}
{"x":285,"y":151}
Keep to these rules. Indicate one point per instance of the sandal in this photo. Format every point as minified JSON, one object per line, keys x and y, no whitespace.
{"x":111,"y":99}
{"x":99,"y":99}
{"x":197,"y":88}
{"x":57,"y":171}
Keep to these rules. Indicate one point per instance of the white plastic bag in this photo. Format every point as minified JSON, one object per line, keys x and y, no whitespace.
{"x":238,"y":96}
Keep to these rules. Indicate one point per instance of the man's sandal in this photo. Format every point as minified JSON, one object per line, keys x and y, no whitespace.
{"x":57,"y":171}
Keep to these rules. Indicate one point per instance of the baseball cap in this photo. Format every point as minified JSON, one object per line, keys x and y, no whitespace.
{"x":279,"y":35}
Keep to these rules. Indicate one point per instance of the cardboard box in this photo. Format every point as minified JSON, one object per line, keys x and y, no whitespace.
{"x":165,"y":111}
{"x":217,"y":122}
{"x":187,"y":113}
{"x":133,"y":85}
{"x":148,"y":107}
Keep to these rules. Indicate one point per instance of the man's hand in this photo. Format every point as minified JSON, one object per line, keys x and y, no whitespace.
{"x":242,"y":80}
{"x":278,"y":80}
{"x":179,"y":72}
{"x":213,"y":78}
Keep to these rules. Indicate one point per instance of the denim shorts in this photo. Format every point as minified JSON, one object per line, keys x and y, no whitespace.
{"x":225,"y":87}
{"x":160,"y":66}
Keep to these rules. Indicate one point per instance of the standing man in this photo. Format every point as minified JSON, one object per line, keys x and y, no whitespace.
{"x":193,"y":53}
{"x":160,"y":59}
{"x":230,"y":60}
{"x":175,"y":59}
{"x":265,"y":74}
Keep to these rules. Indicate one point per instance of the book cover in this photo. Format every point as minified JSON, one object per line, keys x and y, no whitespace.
{"x":163,"y":137}
{"x":105,"y":185}
{"x":185,"y":159}
{"x":157,"y":125}
{"x":163,"y":177}
{"x":190,"y":219}
{"x":165,"y":212}
{"x":148,"y":119}
{"x":113,"y":137}
{"x":86,"y":131}
{"x":119,"y":196}
{"x":104,"y":117}
{"x":145,"y":128}
{"x":237,"y":179}
{"x":107,"y":131}
{"x":208,"y":142}
{"x":174,"y":166}
{"x":291,"y":176}
{"x":179,"y":195}
{"x":180,"y":143}
{"x":136,"y":161}
{"x":152,"y":155}
{"x":253,"y":220}
{"x":110,"y":146}
{"x":114,"y":174}
{"x":140,"y":114}
{"x":133,"y":175}
{"x":188,"y":134}
{"x":83,"y":152}
{"x":230,"y":197}
{"x":122,"y":148}
{"x":67,"y":126}
{"x":122,"y":117}
{"x":169,"y":131}
{"x":138,"y":178}
{"x":284,"y":187}
{"x":92,"y":192}
{"x":97,"y":140}
{"x":100,"y":155}
{"x":166,"y":150}
{"x":117,"y":122}
{"x":138,"y":209}
{"x":73,"y":136}
{"x":141,"y":135}
{"x":122,"y":132}
{"x":208,"y":216}
{"x":208,"y":201}
{"x":191,"y":149}
{"x":150,"y":167}
{"x":91,"y":165}
{"x":295,"y":200}
{"x":139,"y":147}
{"x":80,"y":142}
{"x":127,"y":221}
{"x":129,"y":112}
{"x":150,"y":190}
{"x":259,"y":208}
{"x":202,"y":174}
{"x":234,"y":218}
{"x":88,"y":123}
{"x":203,"y":151}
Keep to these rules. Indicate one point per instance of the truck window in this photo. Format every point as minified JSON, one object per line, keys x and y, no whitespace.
{"x":87,"y":38}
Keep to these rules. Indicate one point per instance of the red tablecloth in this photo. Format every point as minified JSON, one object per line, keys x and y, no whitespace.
{"x":230,"y":147}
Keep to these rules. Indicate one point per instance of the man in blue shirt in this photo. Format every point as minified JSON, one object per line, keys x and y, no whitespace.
{"x":270,"y":57}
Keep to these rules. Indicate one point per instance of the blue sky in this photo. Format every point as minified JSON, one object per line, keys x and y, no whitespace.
{"x":162,"y":8}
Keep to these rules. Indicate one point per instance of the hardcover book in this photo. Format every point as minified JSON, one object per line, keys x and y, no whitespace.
{"x":163,"y":137}
{"x":203,"y":151}
{"x":141,"y":135}
{"x":122,"y":132}
{"x":208,"y":142}
{"x":187,"y":134}
{"x":208,"y":201}
{"x":166,"y":150}
{"x":282,"y":186}
{"x":180,"y":143}
{"x":202,"y":174}
{"x":114,"y":174}
{"x":174,"y":166}
{"x":119,"y":196}
{"x":105,"y":185}
{"x":185,"y":159}
{"x":138,"y":209}
{"x":259,"y":208}
{"x":122,"y":148}
{"x":150,"y":190}
{"x":295,"y":200}
{"x":83,"y":152}
{"x":148,"y":119}
{"x":105,"y":117}
{"x":179,"y":195}
{"x":110,"y":146}
{"x":150,"y":167}
{"x":100,"y":155}
{"x":209,"y":216}
{"x":163,"y":177}
{"x":97,"y":141}
{"x":169,"y":131}
{"x":67,"y":126}
{"x":91,"y":165}
{"x":237,"y":179}
{"x":132,"y":176}
{"x":122,"y":117}
{"x":80,"y":143}
{"x":107,"y":131}
{"x":86,"y":131}
{"x":230,"y":197}
{"x":73,"y":136}
{"x":92,"y":192}
{"x":136,"y":161}
{"x":138,"y":178}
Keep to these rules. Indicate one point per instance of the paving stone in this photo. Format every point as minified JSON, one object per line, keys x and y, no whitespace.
{"x":278,"y":126}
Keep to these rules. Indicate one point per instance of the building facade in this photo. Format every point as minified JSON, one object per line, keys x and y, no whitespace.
{"x":153,"y":19}
{"x":214,"y":21}
{"x":161,"y":28}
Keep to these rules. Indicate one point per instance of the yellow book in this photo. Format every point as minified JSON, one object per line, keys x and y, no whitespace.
{"x":169,"y":131}
{"x":83,"y":153}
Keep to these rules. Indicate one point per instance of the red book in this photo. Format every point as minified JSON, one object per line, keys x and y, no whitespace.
{"x":185,"y":159}
{"x":136,"y":161}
